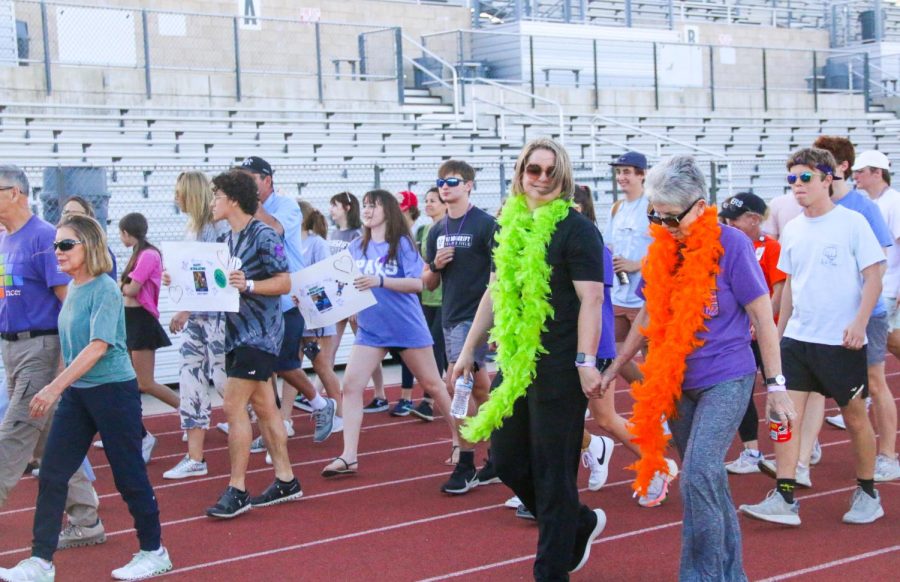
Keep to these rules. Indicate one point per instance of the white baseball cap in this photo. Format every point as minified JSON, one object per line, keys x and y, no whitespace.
{"x":872,"y":159}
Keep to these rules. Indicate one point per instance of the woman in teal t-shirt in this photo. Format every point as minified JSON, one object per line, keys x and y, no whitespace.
{"x":99,"y":393}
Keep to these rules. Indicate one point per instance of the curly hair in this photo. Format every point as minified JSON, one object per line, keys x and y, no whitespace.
{"x":239,"y":186}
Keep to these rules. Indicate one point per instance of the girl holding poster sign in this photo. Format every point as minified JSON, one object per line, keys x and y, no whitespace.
{"x":392,"y":268}
{"x":203,"y":345}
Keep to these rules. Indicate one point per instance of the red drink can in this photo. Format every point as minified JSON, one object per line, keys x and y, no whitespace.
{"x":779,"y":431}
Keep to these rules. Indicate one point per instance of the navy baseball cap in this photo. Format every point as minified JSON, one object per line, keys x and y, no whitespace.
{"x":257,"y":165}
{"x":634,"y":159}
{"x":739,"y":204}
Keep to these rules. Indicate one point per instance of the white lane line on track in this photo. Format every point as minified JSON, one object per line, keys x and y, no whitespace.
{"x":832,"y":564}
{"x":187,"y":482}
{"x":616,"y":537}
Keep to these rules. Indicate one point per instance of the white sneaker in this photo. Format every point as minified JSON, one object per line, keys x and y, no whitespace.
{"x":338,"y":425}
{"x":837,"y":421}
{"x":184,"y":438}
{"x":289,"y":427}
{"x":29,"y":570}
{"x":658,"y":490}
{"x":596,"y":458}
{"x":802,"y":476}
{"x":268,"y":458}
{"x":746,"y":463}
{"x":774,"y":509}
{"x":816,"y":457}
{"x":147,"y":445}
{"x":513,"y":502}
{"x":886,"y":468}
{"x":223,"y":426}
{"x":186,"y":467}
{"x":144,"y":565}
{"x":98,"y":444}
{"x":863,"y":509}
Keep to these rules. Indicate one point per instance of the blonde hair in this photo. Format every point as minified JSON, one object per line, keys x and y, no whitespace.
{"x":195,"y":188}
{"x":96,"y":254}
{"x":562,"y":175}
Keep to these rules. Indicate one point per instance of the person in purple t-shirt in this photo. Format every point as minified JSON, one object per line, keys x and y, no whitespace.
{"x":691,"y":252}
{"x":32,"y":289}
{"x":391,"y":267}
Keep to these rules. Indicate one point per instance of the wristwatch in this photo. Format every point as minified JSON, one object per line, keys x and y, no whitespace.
{"x":582,"y":360}
{"x":778,"y":380}
{"x":433,"y":267}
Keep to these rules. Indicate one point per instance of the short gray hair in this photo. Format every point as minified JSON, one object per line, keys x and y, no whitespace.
{"x":677,"y":181}
{"x":12,"y":175}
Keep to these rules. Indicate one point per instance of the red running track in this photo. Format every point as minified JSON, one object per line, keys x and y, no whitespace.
{"x":390,"y":522}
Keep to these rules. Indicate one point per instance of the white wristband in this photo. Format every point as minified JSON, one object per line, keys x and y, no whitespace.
{"x":250,"y":286}
{"x":776,"y":388}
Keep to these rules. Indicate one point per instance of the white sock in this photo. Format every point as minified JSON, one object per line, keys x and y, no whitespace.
{"x":318,"y":403}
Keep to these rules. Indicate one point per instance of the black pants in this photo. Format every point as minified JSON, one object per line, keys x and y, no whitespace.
{"x":536,"y":454}
{"x":749,"y":427}
{"x":115,"y":411}
{"x":433,"y":319}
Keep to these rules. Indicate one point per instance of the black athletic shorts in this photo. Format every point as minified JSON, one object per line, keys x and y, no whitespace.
{"x":250,"y":364}
{"x":835,"y":371}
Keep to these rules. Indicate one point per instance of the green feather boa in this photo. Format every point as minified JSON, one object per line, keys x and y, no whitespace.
{"x":521,"y":308}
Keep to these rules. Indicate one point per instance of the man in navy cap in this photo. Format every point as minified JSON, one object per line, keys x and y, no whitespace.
{"x":628,"y":237}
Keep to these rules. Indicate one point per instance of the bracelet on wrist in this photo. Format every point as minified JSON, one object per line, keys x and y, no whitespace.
{"x":776,"y":388}
{"x":250,"y":286}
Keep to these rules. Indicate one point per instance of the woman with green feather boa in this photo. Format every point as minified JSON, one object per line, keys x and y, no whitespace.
{"x":543,"y":310}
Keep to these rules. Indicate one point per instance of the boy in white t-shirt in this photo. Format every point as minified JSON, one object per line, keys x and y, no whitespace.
{"x":823,"y":328}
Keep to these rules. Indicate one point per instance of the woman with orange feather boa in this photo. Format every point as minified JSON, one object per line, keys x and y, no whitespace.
{"x":703,"y":288}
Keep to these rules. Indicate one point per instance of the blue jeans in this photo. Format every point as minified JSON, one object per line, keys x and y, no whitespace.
{"x":113,"y":410}
{"x":703,"y":429}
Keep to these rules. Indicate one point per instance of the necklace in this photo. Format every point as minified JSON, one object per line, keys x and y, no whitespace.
{"x":458,"y":230}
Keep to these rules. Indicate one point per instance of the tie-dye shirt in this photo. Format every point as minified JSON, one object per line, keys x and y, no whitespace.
{"x":258,"y":323}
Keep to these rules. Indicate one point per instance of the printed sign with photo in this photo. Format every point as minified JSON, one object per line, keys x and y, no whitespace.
{"x":325,"y":294}
{"x":199,"y":273}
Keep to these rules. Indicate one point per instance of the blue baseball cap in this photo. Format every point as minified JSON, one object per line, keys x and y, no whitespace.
{"x":634,"y":159}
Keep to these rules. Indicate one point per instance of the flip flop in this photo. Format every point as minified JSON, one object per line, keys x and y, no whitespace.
{"x":454,"y":456}
{"x":326,"y":472}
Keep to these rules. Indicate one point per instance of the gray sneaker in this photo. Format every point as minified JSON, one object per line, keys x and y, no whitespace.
{"x":863,"y":509}
{"x":324,"y":419}
{"x":74,"y":536}
{"x":774,"y":509}
{"x":886,"y":468}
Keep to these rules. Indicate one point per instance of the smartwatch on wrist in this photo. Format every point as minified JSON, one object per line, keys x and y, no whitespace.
{"x":583,"y":360}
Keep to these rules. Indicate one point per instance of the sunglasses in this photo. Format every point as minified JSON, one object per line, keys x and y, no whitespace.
{"x":805,"y":177}
{"x":66,"y":245}
{"x":535,"y":171}
{"x":452,"y":182}
{"x":670,"y":221}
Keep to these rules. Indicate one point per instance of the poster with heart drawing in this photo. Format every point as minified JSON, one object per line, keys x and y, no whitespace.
{"x":325,"y":294}
{"x":199,"y":273}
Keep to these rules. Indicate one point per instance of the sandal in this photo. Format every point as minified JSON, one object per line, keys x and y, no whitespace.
{"x":454,"y":456}
{"x":338,"y":471}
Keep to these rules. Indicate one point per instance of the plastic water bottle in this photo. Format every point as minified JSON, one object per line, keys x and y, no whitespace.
{"x":459,"y":408}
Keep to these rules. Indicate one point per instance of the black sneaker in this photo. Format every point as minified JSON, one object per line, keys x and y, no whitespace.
{"x":584,"y":538}
{"x":377,"y":405}
{"x":487,"y":474}
{"x":462,"y":480}
{"x":424,"y":411}
{"x":278,"y":492}
{"x":232,"y":503}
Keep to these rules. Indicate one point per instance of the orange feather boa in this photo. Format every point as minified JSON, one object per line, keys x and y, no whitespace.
{"x":680,"y":280}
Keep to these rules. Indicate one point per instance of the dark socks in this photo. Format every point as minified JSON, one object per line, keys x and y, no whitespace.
{"x":868,"y":485}
{"x":467,"y":458}
{"x":786,"y":488}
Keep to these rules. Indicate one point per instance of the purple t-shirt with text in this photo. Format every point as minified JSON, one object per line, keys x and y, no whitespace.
{"x":28,"y":274}
{"x":726,"y":354}
{"x":607,"y":347}
{"x":397,"y":320}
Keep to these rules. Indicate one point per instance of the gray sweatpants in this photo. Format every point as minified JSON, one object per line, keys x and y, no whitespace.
{"x":30,"y":365}
{"x":703,"y":430}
